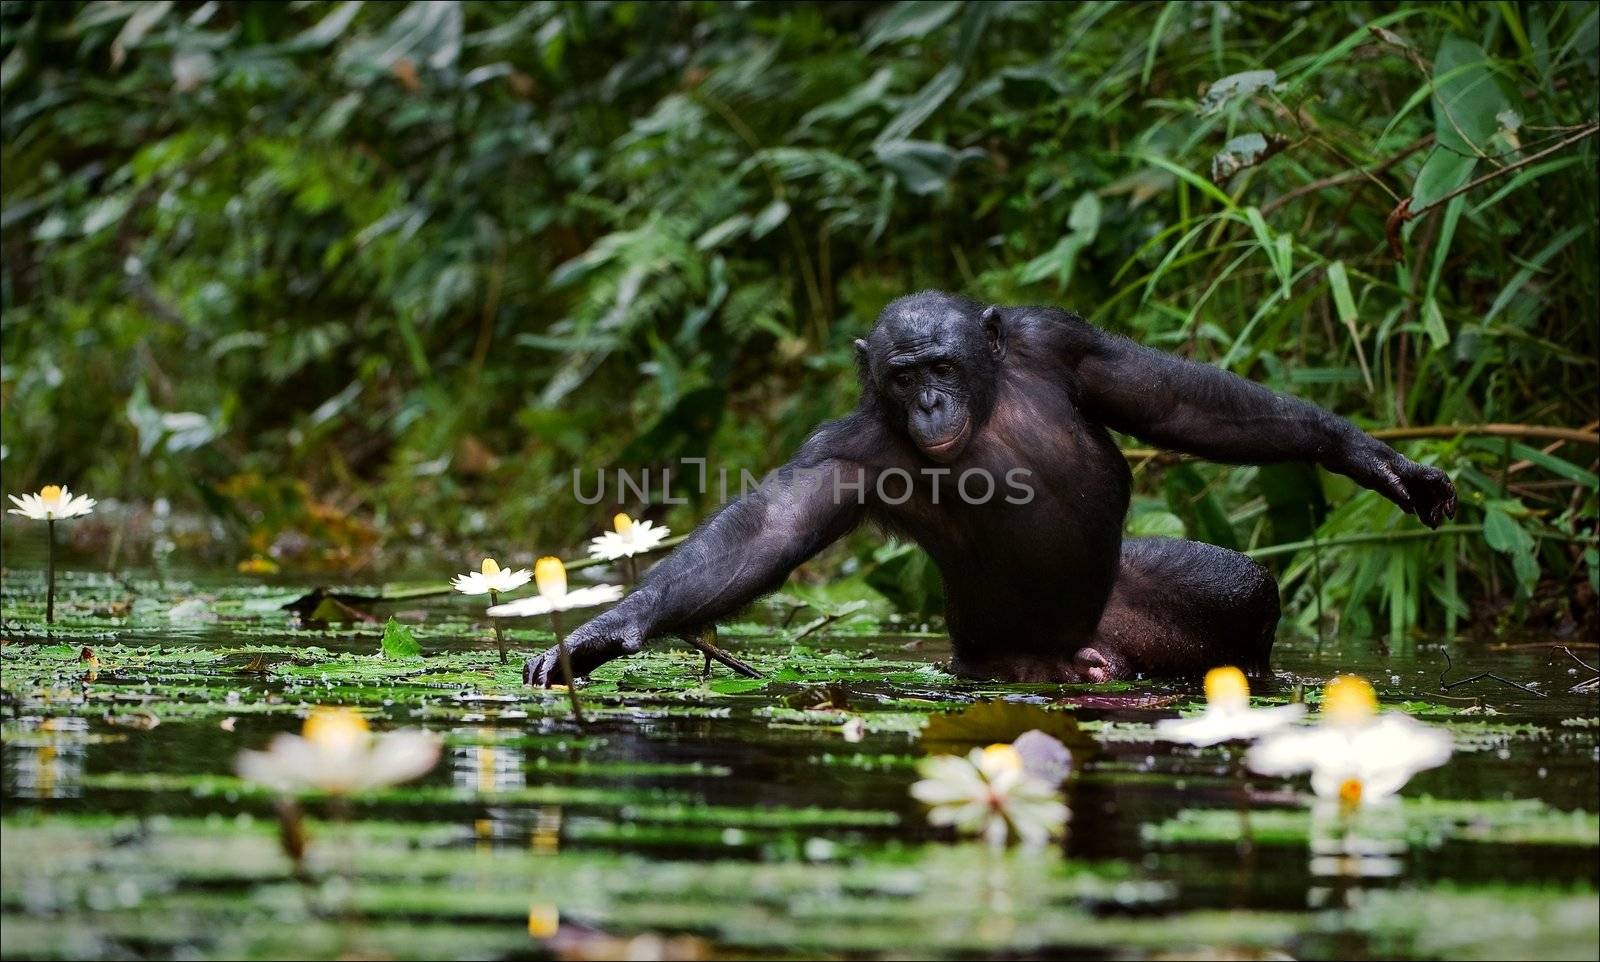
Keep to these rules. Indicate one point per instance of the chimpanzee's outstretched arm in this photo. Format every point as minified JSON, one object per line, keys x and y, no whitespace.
{"x":1204,"y":410}
{"x":742,"y":552}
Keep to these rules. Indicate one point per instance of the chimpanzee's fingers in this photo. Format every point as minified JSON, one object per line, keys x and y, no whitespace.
{"x":1434,"y":494}
{"x":1394,"y":488}
{"x":541,"y":669}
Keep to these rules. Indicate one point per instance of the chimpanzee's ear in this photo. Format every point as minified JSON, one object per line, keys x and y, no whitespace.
{"x":862,"y":364}
{"x":994,"y":331}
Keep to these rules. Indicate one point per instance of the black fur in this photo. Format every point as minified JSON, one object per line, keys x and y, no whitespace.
{"x":1043,"y":590}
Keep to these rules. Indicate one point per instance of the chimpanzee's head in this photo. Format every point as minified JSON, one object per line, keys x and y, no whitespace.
{"x":933,"y":361}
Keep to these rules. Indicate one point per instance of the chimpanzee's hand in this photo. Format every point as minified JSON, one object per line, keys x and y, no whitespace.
{"x":1418,"y":489}
{"x":612,"y":635}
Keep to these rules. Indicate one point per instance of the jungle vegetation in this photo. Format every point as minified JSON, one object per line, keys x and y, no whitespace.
{"x":347,"y":275}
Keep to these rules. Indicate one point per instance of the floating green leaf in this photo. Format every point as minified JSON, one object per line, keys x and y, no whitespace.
{"x":399,"y":643}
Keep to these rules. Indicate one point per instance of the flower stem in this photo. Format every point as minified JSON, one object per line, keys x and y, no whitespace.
{"x":499,"y":637}
{"x":50,"y":572}
{"x":566,"y":667}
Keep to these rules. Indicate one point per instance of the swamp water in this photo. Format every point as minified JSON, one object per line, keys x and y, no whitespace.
{"x":715,"y":816}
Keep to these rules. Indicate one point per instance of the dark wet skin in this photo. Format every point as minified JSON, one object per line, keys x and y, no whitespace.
{"x":1040,"y":584}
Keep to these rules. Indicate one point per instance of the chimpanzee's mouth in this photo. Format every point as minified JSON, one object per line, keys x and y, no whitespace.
{"x":951,"y":446}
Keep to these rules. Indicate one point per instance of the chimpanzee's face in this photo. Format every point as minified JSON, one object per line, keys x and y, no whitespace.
{"x":933,"y":360}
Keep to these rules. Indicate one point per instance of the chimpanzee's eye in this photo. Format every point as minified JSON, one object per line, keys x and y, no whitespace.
{"x":942,"y":369}
{"x":903,"y":378}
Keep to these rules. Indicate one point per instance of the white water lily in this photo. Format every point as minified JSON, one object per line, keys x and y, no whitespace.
{"x":1354,"y":754}
{"x":338,"y":754}
{"x":990,"y":793}
{"x":551,"y":577}
{"x":491,"y":579}
{"x":53,"y":503}
{"x":1228,"y":715}
{"x":629,"y":538}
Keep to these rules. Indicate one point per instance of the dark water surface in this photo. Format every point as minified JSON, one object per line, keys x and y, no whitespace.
{"x":707,"y":817}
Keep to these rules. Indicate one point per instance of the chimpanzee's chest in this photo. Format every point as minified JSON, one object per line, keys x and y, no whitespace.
{"x":1039,"y":493}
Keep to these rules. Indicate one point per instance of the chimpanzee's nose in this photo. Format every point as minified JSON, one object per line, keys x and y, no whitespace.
{"x":930,"y":402}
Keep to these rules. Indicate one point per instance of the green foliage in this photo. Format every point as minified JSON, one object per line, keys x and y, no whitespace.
{"x":399,"y":643}
{"x":421,"y":261}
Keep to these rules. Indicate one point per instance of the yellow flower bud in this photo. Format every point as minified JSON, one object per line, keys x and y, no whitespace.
{"x":490,"y":566}
{"x":1001,"y":757}
{"x":334,"y":727}
{"x":1227,"y":687}
{"x":1349,"y":698}
{"x":551,"y":577}
{"x":622,"y":522}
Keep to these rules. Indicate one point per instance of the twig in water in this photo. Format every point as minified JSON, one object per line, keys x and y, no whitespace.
{"x":1582,"y":686}
{"x":1576,"y":658}
{"x":701,"y":642}
{"x":1449,"y":666}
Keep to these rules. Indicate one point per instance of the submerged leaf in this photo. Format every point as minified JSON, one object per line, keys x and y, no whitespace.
{"x":989,"y":722}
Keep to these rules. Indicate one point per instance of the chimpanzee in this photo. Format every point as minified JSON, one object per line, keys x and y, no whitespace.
{"x":981,"y":434}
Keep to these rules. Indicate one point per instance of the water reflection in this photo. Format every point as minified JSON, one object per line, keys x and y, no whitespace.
{"x":1349,"y":850}
{"x":46,"y":757}
{"x":480,"y":764}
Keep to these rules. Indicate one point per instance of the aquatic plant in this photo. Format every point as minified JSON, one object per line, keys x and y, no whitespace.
{"x":992,"y":794}
{"x":553,"y":598}
{"x":338,"y":754}
{"x":52,"y":503}
{"x":629,"y":540}
{"x":492,"y":579}
{"x":1354,"y":754}
{"x":1227,"y":715}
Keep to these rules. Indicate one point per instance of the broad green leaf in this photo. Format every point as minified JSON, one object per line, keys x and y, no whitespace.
{"x":1156,"y":524}
{"x":399,"y":642}
{"x":1466,"y":101}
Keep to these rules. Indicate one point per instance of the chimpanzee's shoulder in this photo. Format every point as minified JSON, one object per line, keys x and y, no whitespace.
{"x":1049,"y":330}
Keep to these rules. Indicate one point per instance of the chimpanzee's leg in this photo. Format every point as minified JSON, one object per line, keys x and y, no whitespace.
{"x":1180,"y":608}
